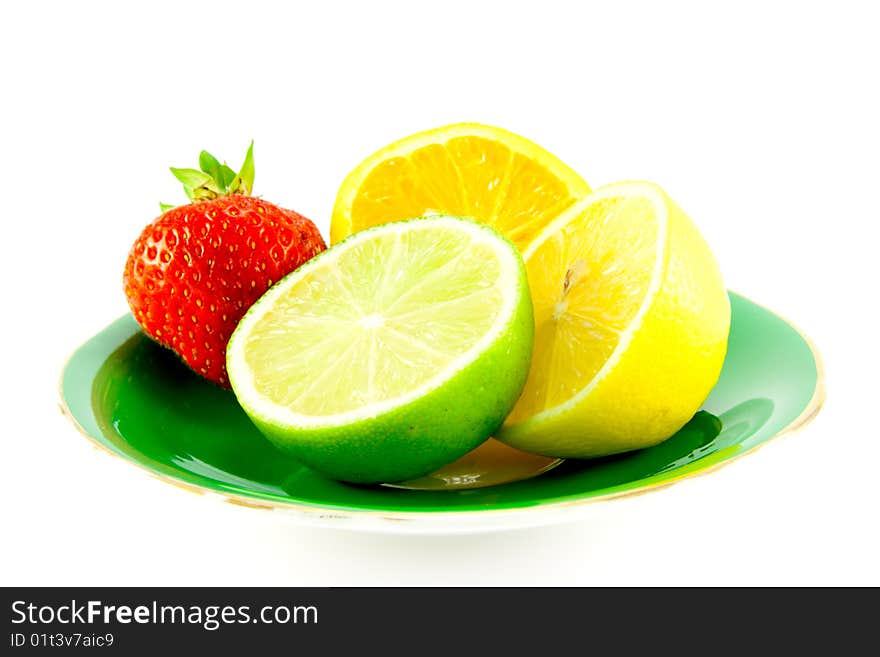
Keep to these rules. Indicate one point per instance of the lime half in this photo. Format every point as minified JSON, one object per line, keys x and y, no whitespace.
{"x":391,"y":354}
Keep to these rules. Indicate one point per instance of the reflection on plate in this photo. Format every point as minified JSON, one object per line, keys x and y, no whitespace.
{"x":135,"y":399}
{"x":491,"y":464}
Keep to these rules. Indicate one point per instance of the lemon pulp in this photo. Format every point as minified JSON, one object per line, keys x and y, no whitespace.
{"x":588,"y":281}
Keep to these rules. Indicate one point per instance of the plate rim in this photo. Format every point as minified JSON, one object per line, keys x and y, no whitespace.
{"x":397,"y":520}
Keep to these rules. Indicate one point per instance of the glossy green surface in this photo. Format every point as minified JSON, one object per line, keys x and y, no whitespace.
{"x":140,"y":401}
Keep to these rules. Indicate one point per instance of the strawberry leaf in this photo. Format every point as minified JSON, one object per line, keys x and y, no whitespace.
{"x":192,"y":177}
{"x":247,"y":169}
{"x":209,"y":164}
{"x":243,"y":183}
{"x":198,"y":185}
{"x":228,"y":175}
{"x":165,"y":207}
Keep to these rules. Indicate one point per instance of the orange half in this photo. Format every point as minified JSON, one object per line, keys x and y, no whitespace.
{"x":468,"y":170}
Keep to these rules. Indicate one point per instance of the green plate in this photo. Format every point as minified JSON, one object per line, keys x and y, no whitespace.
{"x":140,"y":402}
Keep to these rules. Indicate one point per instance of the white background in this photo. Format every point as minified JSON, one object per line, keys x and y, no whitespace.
{"x":761,"y":119}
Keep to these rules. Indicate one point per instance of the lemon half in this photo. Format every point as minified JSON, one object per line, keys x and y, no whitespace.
{"x":631,"y":325}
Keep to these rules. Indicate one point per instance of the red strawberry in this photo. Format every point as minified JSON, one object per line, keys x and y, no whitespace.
{"x":196,"y":269}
